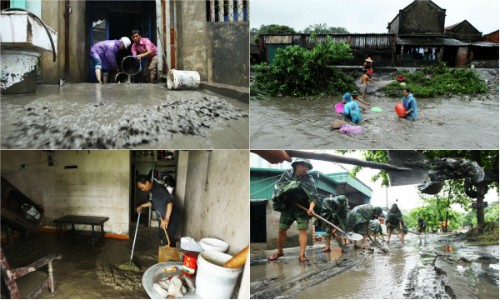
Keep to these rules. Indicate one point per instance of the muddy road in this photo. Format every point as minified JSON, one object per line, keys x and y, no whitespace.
{"x":444,"y":123}
{"x":92,"y":116}
{"x":441,"y":266}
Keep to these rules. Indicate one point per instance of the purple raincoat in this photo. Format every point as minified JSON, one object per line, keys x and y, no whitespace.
{"x":106,"y":52}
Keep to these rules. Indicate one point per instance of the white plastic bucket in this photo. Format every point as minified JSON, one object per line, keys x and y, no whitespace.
{"x":178,"y":79}
{"x":213,"y":280}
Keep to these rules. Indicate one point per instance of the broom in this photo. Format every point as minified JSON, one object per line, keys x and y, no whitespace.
{"x":130,"y":266}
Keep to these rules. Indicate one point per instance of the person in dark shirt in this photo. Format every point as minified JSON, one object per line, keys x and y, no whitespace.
{"x":163,"y":203}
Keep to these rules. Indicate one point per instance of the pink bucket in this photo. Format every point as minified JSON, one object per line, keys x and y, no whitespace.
{"x":339,"y":107}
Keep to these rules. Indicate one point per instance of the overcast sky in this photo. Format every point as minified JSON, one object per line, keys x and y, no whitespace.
{"x":407,"y":195}
{"x":365,"y":16}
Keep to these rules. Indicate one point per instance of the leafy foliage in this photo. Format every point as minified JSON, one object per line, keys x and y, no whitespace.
{"x":437,"y":81}
{"x":324,"y":29}
{"x":299,"y":72}
{"x":272,"y":29}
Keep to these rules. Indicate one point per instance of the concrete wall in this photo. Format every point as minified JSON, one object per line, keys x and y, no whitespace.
{"x":229,"y":53}
{"x":216,"y":197}
{"x":292,"y":239}
{"x":422,"y":17}
{"x":99,"y":186}
{"x":52,"y":15}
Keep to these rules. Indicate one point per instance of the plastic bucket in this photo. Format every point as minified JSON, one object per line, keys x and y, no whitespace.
{"x":131,"y":65}
{"x":400,"y":110}
{"x":339,"y":107}
{"x":122,"y":77}
{"x":178,"y":79}
{"x":213,"y":280}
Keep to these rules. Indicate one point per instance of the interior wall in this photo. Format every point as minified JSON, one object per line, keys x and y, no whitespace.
{"x":216,"y":198}
{"x":99,"y":186}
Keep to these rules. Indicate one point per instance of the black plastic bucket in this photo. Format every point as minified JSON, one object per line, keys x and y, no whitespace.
{"x":131,"y":65}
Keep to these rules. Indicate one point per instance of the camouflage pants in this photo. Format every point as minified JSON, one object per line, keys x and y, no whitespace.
{"x":289,"y":216}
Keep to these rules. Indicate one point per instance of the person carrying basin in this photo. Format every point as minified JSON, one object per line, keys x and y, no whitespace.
{"x":163,"y":203}
{"x":358,"y":220}
{"x":146,"y":52}
{"x":294,"y":186}
{"x":410,"y":104}
{"x":103,"y":54}
{"x":335,"y":210}
{"x":395,"y":221}
{"x":351,"y":109}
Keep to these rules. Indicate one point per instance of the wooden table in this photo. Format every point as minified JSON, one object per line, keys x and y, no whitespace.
{"x":81,"y":220}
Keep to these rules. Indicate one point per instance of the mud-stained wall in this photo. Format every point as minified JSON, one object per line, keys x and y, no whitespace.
{"x":216,"y":199}
{"x":422,"y":17}
{"x":99,"y":186}
{"x":292,"y":235}
{"x":53,"y":16}
{"x":191,"y":37}
{"x":229,"y":53}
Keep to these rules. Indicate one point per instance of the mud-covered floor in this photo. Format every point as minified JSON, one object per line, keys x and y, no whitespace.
{"x":87,"y":271}
{"x":442,"y":266}
{"x":86,"y":115}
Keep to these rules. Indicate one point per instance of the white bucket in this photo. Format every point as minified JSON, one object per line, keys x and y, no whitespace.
{"x":213,"y":280}
{"x":177,"y":79}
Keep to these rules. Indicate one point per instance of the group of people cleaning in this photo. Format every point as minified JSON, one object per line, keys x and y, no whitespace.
{"x":104,"y":55}
{"x":296,"y":186}
{"x":352,"y":110}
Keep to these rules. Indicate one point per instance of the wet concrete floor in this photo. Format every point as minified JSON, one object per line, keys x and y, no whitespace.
{"x":468,"y":122}
{"x":425,"y":268}
{"x":87,"y":271}
{"x":86,"y":115}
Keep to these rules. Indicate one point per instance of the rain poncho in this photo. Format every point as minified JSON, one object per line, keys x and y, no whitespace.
{"x":375,"y":226}
{"x":351,"y":109}
{"x":360,"y":215}
{"x":106,"y":52}
{"x":333,"y":213}
{"x":393,"y":218}
{"x":301,"y":191}
{"x":410,"y":102}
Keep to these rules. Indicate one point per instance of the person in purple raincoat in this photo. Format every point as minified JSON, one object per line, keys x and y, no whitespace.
{"x":104,"y":56}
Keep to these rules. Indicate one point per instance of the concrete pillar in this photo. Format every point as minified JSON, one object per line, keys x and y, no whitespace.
{"x":221,"y":10}
{"x":240,"y":10}
{"x":230,"y":12}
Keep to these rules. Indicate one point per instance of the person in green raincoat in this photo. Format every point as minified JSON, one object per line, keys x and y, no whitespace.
{"x":395,"y":221}
{"x":376,"y":228}
{"x":335,"y":210}
{"x":294,"y":186}
{"x":358,"y":220}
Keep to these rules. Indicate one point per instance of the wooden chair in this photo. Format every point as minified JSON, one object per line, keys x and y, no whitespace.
{"x":28,"y":281}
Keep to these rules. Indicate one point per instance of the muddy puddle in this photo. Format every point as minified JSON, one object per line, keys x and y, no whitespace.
{"x":434,"y":267}
{"x":452,"y":122}
{"x":93,"y":116}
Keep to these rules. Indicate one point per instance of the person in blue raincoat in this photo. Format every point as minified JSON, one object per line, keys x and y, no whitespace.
{"x":351,"y":109}
{"x":410,"y":104}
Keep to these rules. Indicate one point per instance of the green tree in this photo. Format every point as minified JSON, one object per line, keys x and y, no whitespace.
{"x":486,"y":159}
{"x":324,"y":29}
{"x":272,"y":29}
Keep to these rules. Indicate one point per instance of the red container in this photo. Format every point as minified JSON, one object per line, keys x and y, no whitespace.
{"x":400,"y":110}
{"x":189,"y":268}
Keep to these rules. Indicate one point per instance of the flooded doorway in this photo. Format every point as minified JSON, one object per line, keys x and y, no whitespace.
{"x":110,"y":20}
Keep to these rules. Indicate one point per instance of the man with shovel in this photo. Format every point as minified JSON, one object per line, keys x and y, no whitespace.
{"x":163,"y":203}
{"x":395,"y":221}
{"x":146,"y":52}
{"x":358,"y":220}
{"x":335,"y":210}
{"x":294,"y":186}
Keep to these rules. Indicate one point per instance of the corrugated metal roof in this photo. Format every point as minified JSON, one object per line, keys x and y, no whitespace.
{"x":278,"y":39}
{"x":429,"y":41}
{"x":484,"y":44}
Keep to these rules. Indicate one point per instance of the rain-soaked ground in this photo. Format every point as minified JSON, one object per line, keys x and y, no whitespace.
{"x":87,"y":271}
{"x":86,"y":115}
{"x":442,"y":266}
{"x":455,"y":122}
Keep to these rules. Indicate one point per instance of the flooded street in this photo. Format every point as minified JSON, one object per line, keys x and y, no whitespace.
{"x":86,"y":115}
{"x":443,"y":123}
{"x":440,"y":267}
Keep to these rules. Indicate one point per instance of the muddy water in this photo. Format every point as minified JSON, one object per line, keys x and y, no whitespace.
{"x":417,"y":270}
{"x":88,"y":115}
{"x":443,"y":123}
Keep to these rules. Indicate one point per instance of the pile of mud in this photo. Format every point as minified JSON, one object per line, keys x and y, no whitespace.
{"x":68,"y":125}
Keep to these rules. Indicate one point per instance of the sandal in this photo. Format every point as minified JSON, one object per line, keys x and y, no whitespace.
{"x":303,"y":259}
{"x":275,"y":256}
{"x":326,"y":250}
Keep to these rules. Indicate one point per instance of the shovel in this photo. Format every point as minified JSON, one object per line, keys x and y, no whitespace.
{"x":350,"y":236}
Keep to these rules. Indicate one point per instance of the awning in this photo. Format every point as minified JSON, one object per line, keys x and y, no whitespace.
{"x":484,"y":44}
{"x":429,"y":41}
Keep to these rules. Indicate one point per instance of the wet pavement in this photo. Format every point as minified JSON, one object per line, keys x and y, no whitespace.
{"x":87,"y":271}
{"x":441,"y":266}
{"x":92,"y":116}
{"x":444,"y":123}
